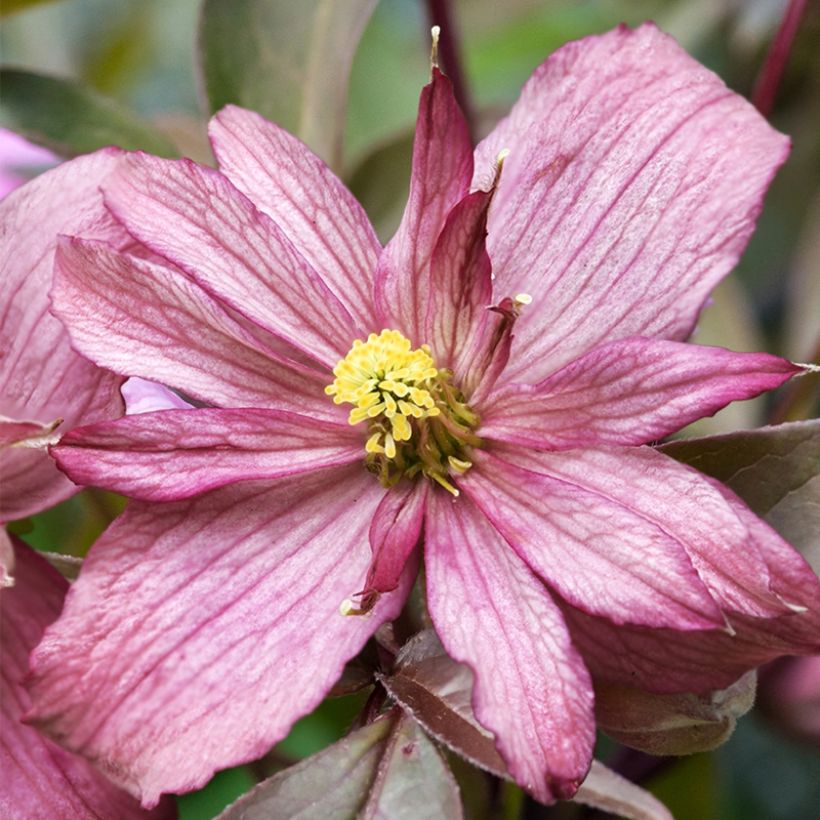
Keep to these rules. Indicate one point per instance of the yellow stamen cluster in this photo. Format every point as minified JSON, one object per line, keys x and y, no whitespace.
{"x":385,"y":377}
{"x":399,"y":391}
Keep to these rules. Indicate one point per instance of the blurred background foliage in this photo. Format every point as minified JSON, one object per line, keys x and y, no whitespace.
{"x":139,"y":64}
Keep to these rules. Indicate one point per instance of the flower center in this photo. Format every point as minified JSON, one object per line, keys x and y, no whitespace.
{"x":418,"y":421}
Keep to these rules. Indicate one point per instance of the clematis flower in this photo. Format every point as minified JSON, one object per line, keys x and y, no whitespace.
{"x":43,"y":382}
{"x":20,"y":160}
{"x":39,"y":778}
{"x":486,"y":384}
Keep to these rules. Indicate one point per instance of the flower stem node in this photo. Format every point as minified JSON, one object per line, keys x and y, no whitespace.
{"x":418,"y":421}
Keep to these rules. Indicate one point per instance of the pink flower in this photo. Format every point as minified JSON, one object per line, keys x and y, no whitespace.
{"x":42,"y":380}
{"x":39,"y":778}
{"x":206,"y":619}
{"x":20,"y":160}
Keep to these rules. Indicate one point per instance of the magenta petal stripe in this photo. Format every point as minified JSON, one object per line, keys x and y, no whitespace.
{"x":174,"y":454}
{"x":41,"y":780}
{"x":632,"y":186}
{"x":531,"y":687}
{"x":631,"y":391}
{"x":196,"y":219}
{"x":236,"y":597}
{"x":141,"y":319}
{"x":440,"y":177}
{"x":297,"y":190}
{"x":598,"y":554}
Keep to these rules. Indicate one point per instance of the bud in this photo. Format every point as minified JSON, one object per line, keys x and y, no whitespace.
{"x":676,"y":724}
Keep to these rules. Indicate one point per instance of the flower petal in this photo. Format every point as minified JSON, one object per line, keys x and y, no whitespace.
{"x":668,"y":661}
{"x":531,"y":687}
{"x":142,"y":396}
{"x":195,"y":218}
{"x":39,"y":778}
{"x":6,"y":560}
{"x":442,"y":167}
{"x":725,"y":542}
{"x":394,"y":533}
{"x":663,"y":660}
{"x":41,"y":377}
{"x":460,"y":283}
{"x":632,"y":186}
{"x":144,"y":320}
{"x":295,"y":188}
{"x":632,"y":391}
{"x":599,"y":554}
{"x":192,"y":639}
{"x":175,"y":454}
{"x":467,"y":334}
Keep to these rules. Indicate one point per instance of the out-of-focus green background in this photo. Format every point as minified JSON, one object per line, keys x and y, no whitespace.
{"x":142,"y":53}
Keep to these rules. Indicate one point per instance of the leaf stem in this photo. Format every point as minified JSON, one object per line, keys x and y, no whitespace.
{"x":768,"y":81}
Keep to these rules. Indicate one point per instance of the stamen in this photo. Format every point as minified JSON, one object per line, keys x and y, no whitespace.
{"x":419,"y":422}
{"x":435,"y":33}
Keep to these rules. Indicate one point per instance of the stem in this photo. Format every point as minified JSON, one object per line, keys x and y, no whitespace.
{"x":439,"y":14}
{"x":768,"y":80}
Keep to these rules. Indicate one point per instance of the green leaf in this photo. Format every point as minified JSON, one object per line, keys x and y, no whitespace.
{"x":288,"y":61}
{"x":381,"y":181}
{"x":71,"y":119}
{"x":437,"y":692}
{"x":333,"y":783}
{"x":413,"y":781}
{"x":607,"y":790}
{"x":775,"y":470}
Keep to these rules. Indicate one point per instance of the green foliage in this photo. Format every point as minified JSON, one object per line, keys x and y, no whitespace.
{"x":70,"y":119}
{"x":223,"y":789}
{"x":288,"y":61}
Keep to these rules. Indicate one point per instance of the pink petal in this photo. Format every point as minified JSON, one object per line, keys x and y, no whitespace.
{"x":39,"y":778}
{"x":442,"y":166}
{"x":632,"y":186}
{"x":6,"y":560}
{"x":603,"y":556}
{"x":665,"y":660}
{"x":791,"y":577}
{"x":531,"y":687}
{"x":174,"y":454}
{"x":14,"y":432}
{"x":460,"y":284}
{"x":20,"y":160}
{"x":141,"y":319}
{"x":199,"y":631}
{"x":394,"y":533}
{"x":295,"y":188}
{"x":142,"y":396}
{"x":194,"y":217}
{"x":632,"y":391}
{"x":466,"y":332}
{"x":684,"y":504}
{"x":41,"y":377}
